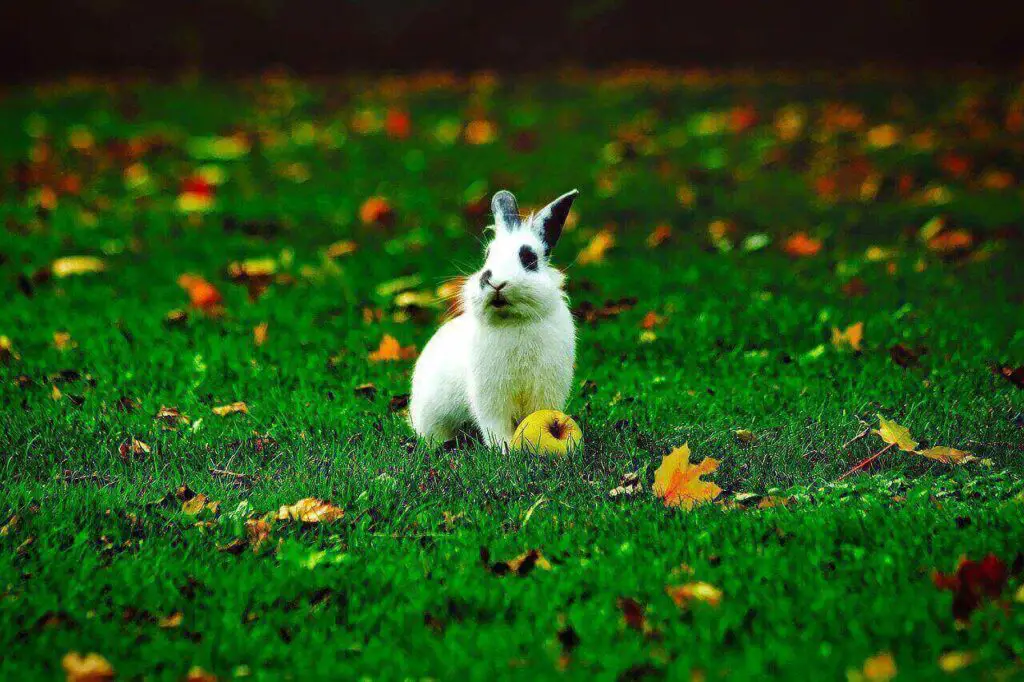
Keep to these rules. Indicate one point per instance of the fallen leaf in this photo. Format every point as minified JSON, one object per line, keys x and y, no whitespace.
{"x":1015,"y":375}
{"x":879,"y":668}
{"x":850,"y":337}
{"x":339,"y":249}
{"x":744,"y":436}
{"x":594,"y":251}
{"x":480,"y":131}
{"x":197,"y":674}
{"x":952,"y":661}
{"x":391,"y":350}
{"x":257,"y":532}
{"x":951,"y":241}
{"x":311,"y":510}
{"x":195,"y":505}
{"x":947,"y":455}
{"x":972,"y":582}
{"x":678,"y":483}
{"x":7,"y":352}
{"x":802,"y":245}
{"x":203,"y":295}
{"x":232,"y":408}
{"x":651,"y":320}
{"x":62,"y":341}
{"x":684,"y":595}
{"x":259,"y":334}
{"x":89,"y":668}
{"x":661,"y":234}
{"x":69,"y":266}
{"x":894,"y":434}
{"x":522,"y":565}
{"x":629,"y":485}
{"x":905,"y":356}
{"x":171,"y":621}
{"x":633,"y":614}
{"x":132,"y":448}
{"x":171,"y":417}
{"x":376,"y":211}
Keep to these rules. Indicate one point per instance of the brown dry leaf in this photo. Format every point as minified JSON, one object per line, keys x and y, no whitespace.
{"x":894,"y":434}
{"x":69,"y":266}
{"x":684,"y":595}
{"x":629,"y":485}
{"x":376,"y":211}
{"x":802,"y":245}
{"x":62,"y":341}
{"x":203,"y":295}
{"x":7,"y":352}
{"x":633,"y":614}
{"x":132,"y":448}
{"x":745,"y":436}
{"x":391,"y":350}
{"x":947,"y":455}
{"x":339,"y":249}
{"x":259,"y":334}
{"x":171,"y":621}
{"x":231,"y":408}
{"x":678,"y":483}
{"x":195,"y":505}
{"x":661,"y":234}
{"x":953,"y":661}
{"x":89,"y":668}
{"x":879,"y":668}
{"x":850,"y":337}
{"x":257,"y":531}
{"x":594,"y":252}
{"x":171,"y":417}
{"x":197,"y":674}
{"x":522,"y":565}
{"x":311,"y":510}
{"x":951,"y":241}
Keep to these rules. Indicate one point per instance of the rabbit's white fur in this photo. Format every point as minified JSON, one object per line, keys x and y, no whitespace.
{"x":495,"y":364}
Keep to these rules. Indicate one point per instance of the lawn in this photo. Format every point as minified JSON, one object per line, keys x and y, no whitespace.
{"x":760,"y":266}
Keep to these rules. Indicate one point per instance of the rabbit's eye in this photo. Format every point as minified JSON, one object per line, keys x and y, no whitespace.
{"x":528,"y":257}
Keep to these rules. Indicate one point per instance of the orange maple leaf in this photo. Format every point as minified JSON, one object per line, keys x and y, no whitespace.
{"x":678,"y":483}
{"x":390,"y":350}
{"x":201,"y":293}
{"x":801,"y":245}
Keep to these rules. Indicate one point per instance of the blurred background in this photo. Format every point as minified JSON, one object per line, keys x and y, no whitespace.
{"x":55,"y":37}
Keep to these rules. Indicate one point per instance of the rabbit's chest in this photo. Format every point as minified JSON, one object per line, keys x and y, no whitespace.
{"x":526,"y":369}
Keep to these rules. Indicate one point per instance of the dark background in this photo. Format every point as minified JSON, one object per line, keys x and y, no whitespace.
{"x":53,"y":37}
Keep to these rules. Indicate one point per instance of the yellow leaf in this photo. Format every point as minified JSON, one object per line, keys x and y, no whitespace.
{"x":77,"y":265}
{"x":678,"y":483}
{"x":88,"y":668}
{"x":339,"y":249}
{"x":880,"y":668}
{"x":197,"y":674}
{"x":310,"y":510}
{"x":62,"y":341}
{"x":683,"y":595}
{"x":947,"y":455}
{"x":259,"y":334}
{"x":894,"y":434}
{"x":595,"y":250}
{"x":952,"y":661}
{"x":171,"y":621}
{"x":258,"y":533}
{"x":233,"y":408}
{"x":851,"y":336}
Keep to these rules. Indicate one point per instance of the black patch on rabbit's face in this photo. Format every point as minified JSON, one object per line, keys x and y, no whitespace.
{"x":528,"y":258}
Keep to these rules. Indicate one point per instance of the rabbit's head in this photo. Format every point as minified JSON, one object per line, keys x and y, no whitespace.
{"x":516,"y":282}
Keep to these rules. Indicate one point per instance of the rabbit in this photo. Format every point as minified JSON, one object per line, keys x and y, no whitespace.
{"x":512,"y":351}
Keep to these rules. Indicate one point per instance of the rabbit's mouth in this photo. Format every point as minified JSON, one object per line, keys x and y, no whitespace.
{"x":498,"y":301}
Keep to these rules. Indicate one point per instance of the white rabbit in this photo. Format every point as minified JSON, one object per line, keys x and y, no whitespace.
{"x":512,"y":351}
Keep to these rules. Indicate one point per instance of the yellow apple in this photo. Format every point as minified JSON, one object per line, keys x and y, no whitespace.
{"x":548,"y":432}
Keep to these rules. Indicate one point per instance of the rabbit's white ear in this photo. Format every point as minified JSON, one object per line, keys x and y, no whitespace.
{"x":549,"y":221}
{"x":506,"y":210}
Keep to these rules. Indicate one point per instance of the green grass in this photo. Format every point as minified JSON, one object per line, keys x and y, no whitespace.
{"x":397,"y":589}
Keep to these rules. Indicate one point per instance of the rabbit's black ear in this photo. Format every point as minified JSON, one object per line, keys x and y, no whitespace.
{"x":549,"y":220}
{"x":506,"y":210}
